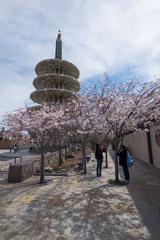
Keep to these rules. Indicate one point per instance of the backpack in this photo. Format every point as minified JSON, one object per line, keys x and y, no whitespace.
{"x":130,"y":159}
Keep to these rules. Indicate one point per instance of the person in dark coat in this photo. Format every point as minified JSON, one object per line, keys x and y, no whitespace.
{"x":123,"y":162}
{"x":99,"y":158}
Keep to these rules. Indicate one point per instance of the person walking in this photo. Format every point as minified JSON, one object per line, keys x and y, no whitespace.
{"x":123,"y":162}
{"x":99,"y":158}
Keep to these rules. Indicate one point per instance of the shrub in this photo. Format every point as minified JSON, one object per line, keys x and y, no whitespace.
{"x":69,"y":156}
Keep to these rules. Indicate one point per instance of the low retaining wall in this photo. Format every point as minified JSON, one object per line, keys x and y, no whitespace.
{"x":137,"y":144}
{"x":145,"y":145}
{"x":4,"y":145}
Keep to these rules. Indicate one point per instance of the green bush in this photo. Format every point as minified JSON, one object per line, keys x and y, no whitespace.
{"x":59,"y":169}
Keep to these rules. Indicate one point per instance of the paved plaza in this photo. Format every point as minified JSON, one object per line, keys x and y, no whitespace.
{"x":82,"y":207}
{"x":26,"y":157}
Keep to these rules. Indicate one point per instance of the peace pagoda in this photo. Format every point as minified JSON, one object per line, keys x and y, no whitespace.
{"x":56,"y":79}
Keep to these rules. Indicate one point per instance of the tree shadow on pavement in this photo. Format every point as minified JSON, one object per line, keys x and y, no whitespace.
{"x":76,"y":208}
{"x":96,"y":213}
{"x":32,"y":183}
{"x":145,"y":192}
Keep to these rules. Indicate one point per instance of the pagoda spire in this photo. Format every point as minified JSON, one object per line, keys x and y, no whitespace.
{"x":58,"y":51}
{"x":56,"y":80}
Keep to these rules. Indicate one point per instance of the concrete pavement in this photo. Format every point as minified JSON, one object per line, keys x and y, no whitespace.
{"x":82,"y":207}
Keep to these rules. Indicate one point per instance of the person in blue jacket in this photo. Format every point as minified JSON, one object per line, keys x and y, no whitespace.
{"x":99,"y":158}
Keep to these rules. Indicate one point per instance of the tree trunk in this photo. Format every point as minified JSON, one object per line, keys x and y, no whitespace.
{"x":72,"y":145}
{"x":84,"y":154}
{"x":66,"y":146}
{"x":92,"y":146}
{"x":121,"y":140}
{"x":60,"y":151}
{"x":116,"y":160}
{"x":42,"y":167}
{"x":65,"y":151}
{"x":60,"y":155}
{"x":106,"y":160}
{"x":69,"y":148}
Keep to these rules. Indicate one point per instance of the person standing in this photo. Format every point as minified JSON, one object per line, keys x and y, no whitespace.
{"x":123,"y":162}
{"x":16,"y":147}
{"x":99,"y":158}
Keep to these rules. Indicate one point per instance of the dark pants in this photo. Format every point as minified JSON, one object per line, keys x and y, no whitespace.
{"x":99,"y":167}
{"x":126,"y":172}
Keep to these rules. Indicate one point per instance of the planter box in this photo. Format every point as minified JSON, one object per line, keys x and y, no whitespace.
{"x":20,"y":172}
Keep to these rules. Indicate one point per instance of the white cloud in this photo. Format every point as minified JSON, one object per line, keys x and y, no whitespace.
{"x":98,"y":36}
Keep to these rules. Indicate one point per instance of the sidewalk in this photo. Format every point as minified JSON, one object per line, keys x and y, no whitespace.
{"x":82,"y":207}
{"x":4,"y":151}
{"x":26,"y":157}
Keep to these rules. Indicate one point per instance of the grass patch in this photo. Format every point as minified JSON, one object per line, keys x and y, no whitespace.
{"x":68,"y":164}
{"x":59,"y":169}
{"x":119,"y":183}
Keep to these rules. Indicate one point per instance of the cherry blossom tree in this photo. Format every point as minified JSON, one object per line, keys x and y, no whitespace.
{"x":101,"y":131}
{"x":125,"y":106}
{"x":108,"y":110}
{"x":113,"y":109}
{"x":80,"y":117}
{"x":121,"y":107}
{"x":40,"y":123}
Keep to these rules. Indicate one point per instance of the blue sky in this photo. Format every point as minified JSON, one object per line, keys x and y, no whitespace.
{"x":121,"y":38}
